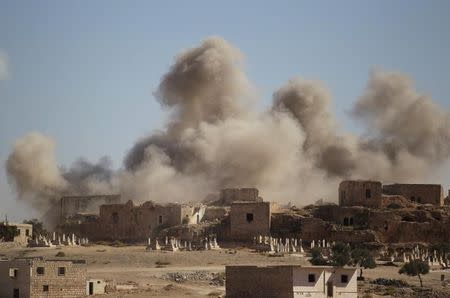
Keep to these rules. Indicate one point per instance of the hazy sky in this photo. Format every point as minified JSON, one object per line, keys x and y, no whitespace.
{"x":83,"y":72}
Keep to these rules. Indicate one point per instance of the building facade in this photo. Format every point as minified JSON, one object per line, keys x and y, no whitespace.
{"x":36,"y":277}
{"x":248,"y":219}
{"x":290,"y":281}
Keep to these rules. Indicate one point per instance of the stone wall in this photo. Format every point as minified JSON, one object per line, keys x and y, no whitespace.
{"x":51,"y":282}
{"x":360,"y":193}
{"x":19,"y":280}
{"x":70,"y":284}
{"x":230,"y":195}
{"x":253,"y":281}
{"x":248,"y":219}
{"x":419,"y":193}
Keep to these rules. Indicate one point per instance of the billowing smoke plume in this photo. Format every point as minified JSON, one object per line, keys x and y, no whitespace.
{"x":293,"y":151}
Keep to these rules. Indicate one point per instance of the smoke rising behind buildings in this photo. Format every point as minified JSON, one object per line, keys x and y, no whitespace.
{"x":293,"y":151}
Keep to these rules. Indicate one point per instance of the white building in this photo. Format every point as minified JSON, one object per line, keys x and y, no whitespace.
{"x":291,"y":281}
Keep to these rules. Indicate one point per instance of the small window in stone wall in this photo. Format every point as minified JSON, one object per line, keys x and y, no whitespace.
{"x":344,"y":278}
{"x":160,"y":219}
{"x":45,"y":288}
{"x":311,"y":278}
{"x":115,"y":218}
{"x":27,"y":232}
{"x":40,"y":270}
{"x":249,"y":217}
{"x":61,"y":270}
{"x":368,"y":193}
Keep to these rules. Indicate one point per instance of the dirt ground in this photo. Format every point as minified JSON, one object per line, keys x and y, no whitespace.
{"x":137,"y":272}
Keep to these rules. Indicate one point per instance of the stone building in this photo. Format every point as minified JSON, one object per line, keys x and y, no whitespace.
{"x":248,"y":219}
{"x":290,"y":281}
{"x":360,"y":193}
{"x":375,"y":195}
{"x":36,"y":277}
{"x":73,"y":205}
{"x":25,"y":232}
{"x":418,"y":193}
{"x":230,"y":195}
{"x":129,"y":222}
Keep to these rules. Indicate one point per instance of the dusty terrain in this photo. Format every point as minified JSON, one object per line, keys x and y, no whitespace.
{"x":137,"y":272}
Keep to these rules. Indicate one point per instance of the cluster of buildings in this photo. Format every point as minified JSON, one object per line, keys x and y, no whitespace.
{"x":368,"y":211}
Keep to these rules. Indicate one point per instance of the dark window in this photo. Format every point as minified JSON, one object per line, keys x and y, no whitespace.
{"x":350,"y":222}
{"x":98,"y":281}
{"x":115,"y":218}
{"x":342,"y":195}
{"x":16,"y":293}
{"x":419,"y":200}
{"x":61,"y":270}
{"x":344,"y":278}
{"x":27,"y":232}
{"x":45,"y":288}
{"x":249,"y":217}
{"x":345,"y":221}
{"x":40,"y":270}
{"x":386,"y":226}
{"x":413,"y":199}
{"x":160,"y":219}
{"x":368,"y":194}
{"x":311,"y":278}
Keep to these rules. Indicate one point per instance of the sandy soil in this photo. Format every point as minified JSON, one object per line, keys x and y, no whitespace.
{"x":140,"y":273}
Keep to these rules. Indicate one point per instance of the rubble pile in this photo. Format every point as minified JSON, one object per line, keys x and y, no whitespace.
{"x":216,"y":279}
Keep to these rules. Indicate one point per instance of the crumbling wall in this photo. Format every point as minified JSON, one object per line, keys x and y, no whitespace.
{"x":419,"y":193}
{"x":230,"y":195}
{"x":360,"y":193}
{"x":71,"y":205}
{"x":248,"y":219}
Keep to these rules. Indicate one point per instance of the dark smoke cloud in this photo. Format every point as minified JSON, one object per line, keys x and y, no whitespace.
{"x":293,"y":151}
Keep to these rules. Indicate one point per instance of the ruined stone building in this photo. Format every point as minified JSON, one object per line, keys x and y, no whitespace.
{"x":25,"y":232}
{"x":129,"y":222}
{"x":36,"y":277}
{"x":248,"y":219}
{"x":375,"y":195}
{"x":290,"y":281}
{"x":72,"y":205}
{"x":419,"y":193}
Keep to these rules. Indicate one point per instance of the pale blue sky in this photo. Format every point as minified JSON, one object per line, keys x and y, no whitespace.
{"x":83,"y":71}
